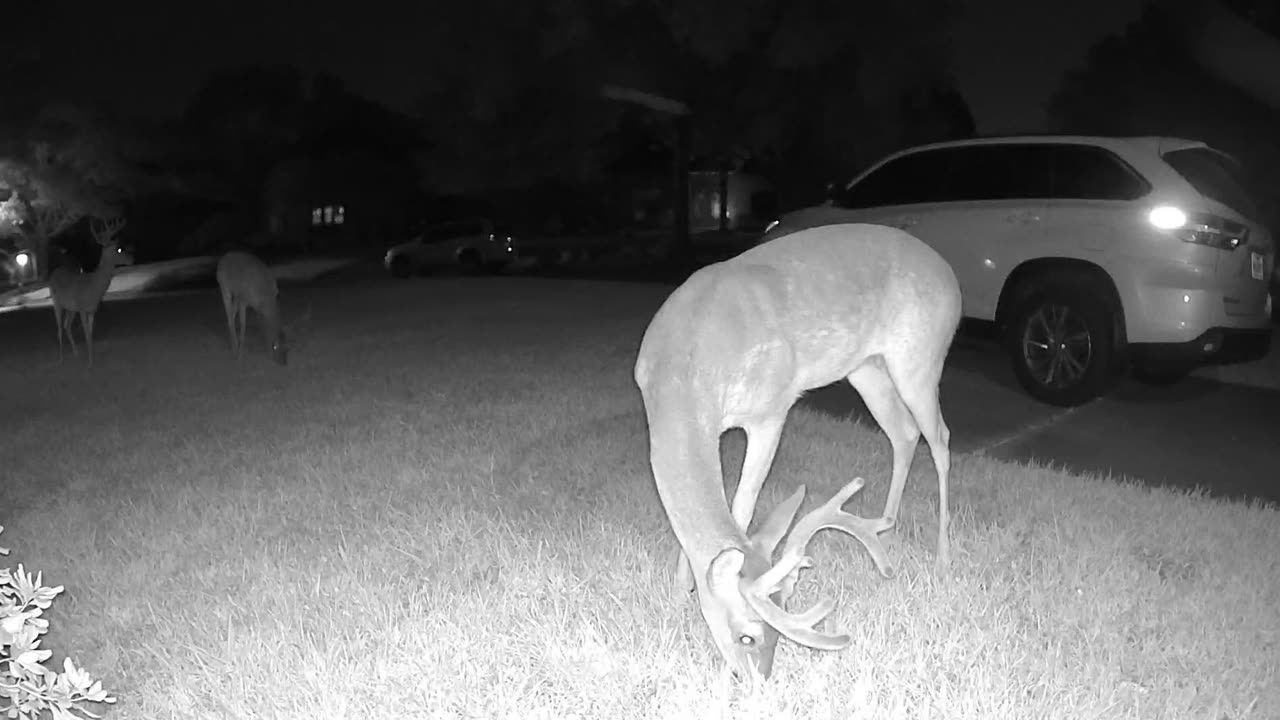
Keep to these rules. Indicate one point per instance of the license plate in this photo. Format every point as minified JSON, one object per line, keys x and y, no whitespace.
{"x":1257,"y":266}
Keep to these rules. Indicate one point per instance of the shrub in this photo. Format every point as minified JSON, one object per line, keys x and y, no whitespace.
{"x":27,"y":687}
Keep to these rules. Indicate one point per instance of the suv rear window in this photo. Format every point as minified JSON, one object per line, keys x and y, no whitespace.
{"x":1085,"y":172}
{"x":1216,"y":176}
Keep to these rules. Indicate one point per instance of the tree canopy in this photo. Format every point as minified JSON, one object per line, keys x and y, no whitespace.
{"x":68,"y":163}
{"x":803,"y":81}
{"x":1148,"y":81}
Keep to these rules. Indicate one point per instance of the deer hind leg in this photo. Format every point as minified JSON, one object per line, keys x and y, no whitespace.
{"x":922,"y":399}
{"x":887,"y":406}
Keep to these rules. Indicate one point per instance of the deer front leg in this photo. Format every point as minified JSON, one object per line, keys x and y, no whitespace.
{"x":57,"y":322}
{"x":230,"y":311}
{"x":68,"y":321}
{"x":86,"y":326}
{"x":873,"y":383}
{"x":683,"y":574}
{"x":762,"y":445}
{"x":242,"y":323}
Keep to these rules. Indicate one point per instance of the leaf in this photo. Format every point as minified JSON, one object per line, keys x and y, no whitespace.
{"x":33,"y":658}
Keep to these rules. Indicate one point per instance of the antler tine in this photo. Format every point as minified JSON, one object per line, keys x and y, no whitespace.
{"x":104,"y":230}
{"x":829,"y":515}
{"x":799,"y":626}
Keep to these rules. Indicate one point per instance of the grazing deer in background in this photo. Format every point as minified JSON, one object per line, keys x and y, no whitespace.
{"x":74,"y":293}
{"x":735,"y":346}
{"x":246,"y":282}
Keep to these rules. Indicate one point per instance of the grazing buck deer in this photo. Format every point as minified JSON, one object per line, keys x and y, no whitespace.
{"x":246,"y":282}
{"x":75,"y":293}
{"x":735,"y":346}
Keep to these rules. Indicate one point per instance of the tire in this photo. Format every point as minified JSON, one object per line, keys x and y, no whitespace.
{"x":1079,"y":321}
{"x":401,"y":267}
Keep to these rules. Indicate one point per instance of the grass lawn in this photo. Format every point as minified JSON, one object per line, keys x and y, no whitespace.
{"x":442,"y":508}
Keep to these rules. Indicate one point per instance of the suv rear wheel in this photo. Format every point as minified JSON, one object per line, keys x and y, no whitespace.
{"x":1062,"y":344}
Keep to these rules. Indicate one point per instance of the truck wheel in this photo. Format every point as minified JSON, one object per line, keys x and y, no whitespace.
{"x":1062,"y":344}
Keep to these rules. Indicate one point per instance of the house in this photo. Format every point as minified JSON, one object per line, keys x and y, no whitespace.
{"x":339,"y":198}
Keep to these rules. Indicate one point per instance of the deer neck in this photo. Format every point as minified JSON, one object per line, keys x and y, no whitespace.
{"x":690,"y":482}
{"x":100,"y":278}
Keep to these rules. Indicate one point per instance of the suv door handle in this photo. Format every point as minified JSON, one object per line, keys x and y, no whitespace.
{"x":905,"y":223}
{"x":1025,"y":217}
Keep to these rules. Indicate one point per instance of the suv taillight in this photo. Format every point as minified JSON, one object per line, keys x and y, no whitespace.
{"x":1199,"y":228}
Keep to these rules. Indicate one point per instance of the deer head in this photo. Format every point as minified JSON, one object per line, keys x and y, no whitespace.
{"x":743,"y":593}
{"x":105,"y":230}
{"x":105,"y":234}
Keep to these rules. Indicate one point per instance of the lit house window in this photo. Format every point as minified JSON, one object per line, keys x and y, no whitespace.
{"x":328,"y":215}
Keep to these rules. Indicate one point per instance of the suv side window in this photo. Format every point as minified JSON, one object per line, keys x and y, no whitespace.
{"x":909,"y":179}
{"x":1085,"y":172}
{"x":999,"y":172}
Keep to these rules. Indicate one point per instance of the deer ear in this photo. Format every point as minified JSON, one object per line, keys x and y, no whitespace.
{"x":725,"y":571}
{"x":775,"y":526}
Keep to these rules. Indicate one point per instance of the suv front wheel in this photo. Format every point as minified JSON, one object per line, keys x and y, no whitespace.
{"x":1062,"y":345}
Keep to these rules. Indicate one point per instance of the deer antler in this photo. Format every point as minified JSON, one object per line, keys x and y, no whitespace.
{"x":798,"y":626}
{"x":104,"y":230}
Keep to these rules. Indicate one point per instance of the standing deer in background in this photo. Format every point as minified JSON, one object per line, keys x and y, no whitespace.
{"x":735,"y":346}
{"x":246,"y":282}
{"x":74,"y":293}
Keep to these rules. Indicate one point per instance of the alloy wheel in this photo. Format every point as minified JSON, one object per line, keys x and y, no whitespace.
{"x":1057,"y":346}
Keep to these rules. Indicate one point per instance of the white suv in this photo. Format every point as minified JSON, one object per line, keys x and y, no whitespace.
{"x":1090,"y":254}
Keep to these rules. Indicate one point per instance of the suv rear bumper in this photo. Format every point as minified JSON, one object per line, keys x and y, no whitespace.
{"x":1215,"y":346}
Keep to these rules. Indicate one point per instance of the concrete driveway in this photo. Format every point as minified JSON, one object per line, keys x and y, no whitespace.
{"x":1221,"y":436}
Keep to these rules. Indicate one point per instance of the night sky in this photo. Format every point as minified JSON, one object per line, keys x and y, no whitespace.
{"x":149,"y":56}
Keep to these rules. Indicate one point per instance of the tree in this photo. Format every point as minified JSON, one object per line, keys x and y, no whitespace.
{"x":68,"y":164}
{"x":241,"y":121}
{"x":763,"y":78}
{"x":934,"y":111}
{"x":1236,"y":41}
{"x":1149,"y":81}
